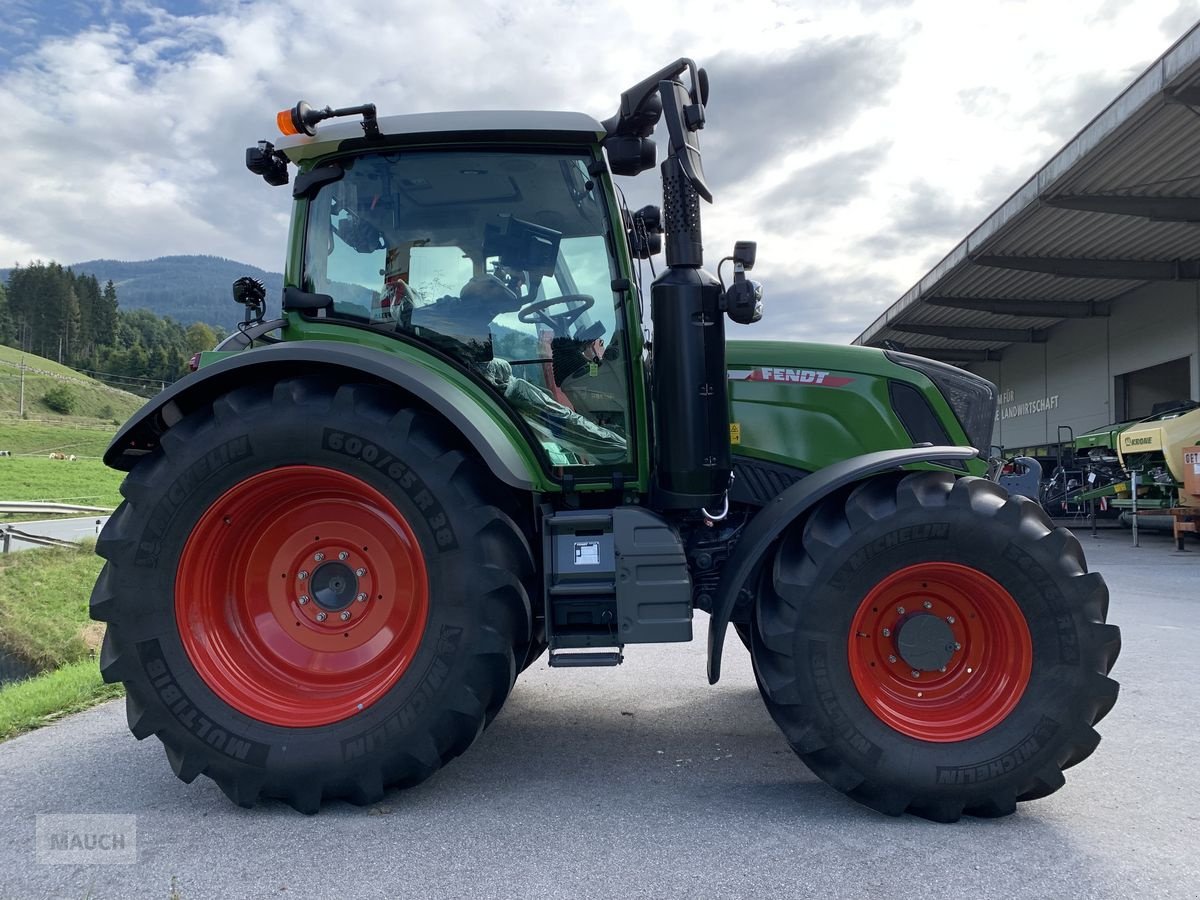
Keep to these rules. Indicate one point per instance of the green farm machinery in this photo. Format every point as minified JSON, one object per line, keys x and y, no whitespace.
{"x":464,"y":446}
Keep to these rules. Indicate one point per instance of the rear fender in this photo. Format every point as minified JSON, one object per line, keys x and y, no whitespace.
{"x":773,"y":519}
{"x":500,"y":447}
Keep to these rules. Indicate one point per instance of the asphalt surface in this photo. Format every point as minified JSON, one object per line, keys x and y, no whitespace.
{"x":643,"y":781}
{"x":73,"y":529}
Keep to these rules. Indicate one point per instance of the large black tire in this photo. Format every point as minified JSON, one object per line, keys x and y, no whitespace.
{"x":477,"y":562}
{"x":806,"y":660}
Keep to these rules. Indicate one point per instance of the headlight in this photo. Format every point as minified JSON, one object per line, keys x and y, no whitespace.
{"x":973,"y":399}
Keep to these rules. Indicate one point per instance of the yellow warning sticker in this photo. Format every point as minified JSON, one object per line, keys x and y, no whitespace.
{"x":735,"y":433}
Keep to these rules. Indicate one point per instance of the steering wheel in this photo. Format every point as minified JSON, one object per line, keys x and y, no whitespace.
{"x":576,"y":305}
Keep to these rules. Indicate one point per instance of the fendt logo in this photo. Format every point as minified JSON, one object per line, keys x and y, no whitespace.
{"x":791,"y":376}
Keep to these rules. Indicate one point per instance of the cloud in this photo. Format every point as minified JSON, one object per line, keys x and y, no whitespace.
{"x":817,"y":189}
{"x":1069,"y":107}
{"x":810,"y":303}
{"x":857,"y":142}
{"x":1180,"y":20}
{"x":769,"y":107}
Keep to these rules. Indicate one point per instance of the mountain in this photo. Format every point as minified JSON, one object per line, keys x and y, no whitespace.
{"x":186,"y":288}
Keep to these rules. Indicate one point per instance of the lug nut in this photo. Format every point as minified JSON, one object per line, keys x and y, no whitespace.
{"x":957,"y":645}
{"x":891,"y":659}
{"x":361,"y":598}
{"x":345,"y":615}
{"x":887,"y":632}
{"x":927,"y":605}
{"x":915,"y":673}
{"x":317,"y":557}
{"x":950,"y":619}
{"x":942,"y":669}
{"x":321,"y":617}
{"x":303,"y":599}
{"x":360,"y":571}
{"x":343,"y":555}
{"x":302,"y":575}
{"x":900,"y":610}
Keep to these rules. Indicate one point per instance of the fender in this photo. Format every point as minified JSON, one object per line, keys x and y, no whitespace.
{"x":765,"y":528}
{"x":477,"y":424}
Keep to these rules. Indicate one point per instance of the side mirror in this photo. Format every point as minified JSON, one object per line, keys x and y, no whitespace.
{"x":684,"y":119}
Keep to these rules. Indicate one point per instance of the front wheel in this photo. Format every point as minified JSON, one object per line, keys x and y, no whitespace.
{"x":312,"y":592}
{"x":934,"y":645}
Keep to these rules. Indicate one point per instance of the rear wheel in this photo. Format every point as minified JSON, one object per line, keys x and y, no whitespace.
{"x":934,"y":645}
{"x":312,"y":593}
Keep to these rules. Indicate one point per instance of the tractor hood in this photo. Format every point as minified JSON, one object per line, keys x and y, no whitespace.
{"x":801,"y":354}
{"x":806,"y":405}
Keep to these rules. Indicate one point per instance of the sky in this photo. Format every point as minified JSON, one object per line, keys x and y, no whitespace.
{"x":856,"y":141}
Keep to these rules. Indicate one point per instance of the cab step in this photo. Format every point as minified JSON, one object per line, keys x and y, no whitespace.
{"x":564,"y":659}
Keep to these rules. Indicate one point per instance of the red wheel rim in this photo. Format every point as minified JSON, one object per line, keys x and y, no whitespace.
{"x":990,"y":654}
{"x":301,"y":596}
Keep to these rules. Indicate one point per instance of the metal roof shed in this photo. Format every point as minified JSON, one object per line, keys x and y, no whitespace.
{"x":1117,"y":207}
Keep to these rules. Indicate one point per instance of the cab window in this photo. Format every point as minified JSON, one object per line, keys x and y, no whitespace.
{"x":501,"y":260}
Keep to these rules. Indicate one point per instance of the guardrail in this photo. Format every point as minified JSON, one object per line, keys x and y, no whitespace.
{"x":41,"y":540}
{"x":27,"y":507}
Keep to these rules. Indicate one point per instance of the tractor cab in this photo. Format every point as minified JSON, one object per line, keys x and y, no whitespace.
{"x":496,"y":242}
{"x":501,"y":260}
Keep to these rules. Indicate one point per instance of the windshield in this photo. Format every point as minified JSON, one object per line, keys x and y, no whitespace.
{"x":501,"y":260}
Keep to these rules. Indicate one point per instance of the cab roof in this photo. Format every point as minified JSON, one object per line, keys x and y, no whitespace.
{"x":495,"y":124}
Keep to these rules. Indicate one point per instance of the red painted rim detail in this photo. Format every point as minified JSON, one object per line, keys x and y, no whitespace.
{"x":254,"y":628}
{"x":982,"y":681}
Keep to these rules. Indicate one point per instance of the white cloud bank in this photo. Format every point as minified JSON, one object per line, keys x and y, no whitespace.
{"x":857,"y":143}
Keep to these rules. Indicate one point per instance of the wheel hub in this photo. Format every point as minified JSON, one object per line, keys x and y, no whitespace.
{"x":925,"y":642}
{"x":334,"y":586}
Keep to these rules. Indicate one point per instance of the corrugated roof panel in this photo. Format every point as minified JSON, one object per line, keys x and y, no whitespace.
{"x":1143,"y":144}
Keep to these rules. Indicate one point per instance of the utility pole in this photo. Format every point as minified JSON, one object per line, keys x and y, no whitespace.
{"x":22,"y":410}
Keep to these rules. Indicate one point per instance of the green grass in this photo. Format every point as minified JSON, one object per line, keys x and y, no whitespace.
{"x":24,"y":438}
{"x":44,"y":605}
{"x":44,"y":621}
{"x":26,"y":705}
{"x":95,"y":402}
{"x":13,"y":355}
{"x":85,"y":482}
{"x":29,"y":474}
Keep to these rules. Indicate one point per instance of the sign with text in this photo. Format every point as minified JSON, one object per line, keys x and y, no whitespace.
{"x":1008,"y":408}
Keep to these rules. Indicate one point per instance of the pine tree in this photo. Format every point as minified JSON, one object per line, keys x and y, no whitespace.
{"x":104,"y":317}
{"x":7,"y":332}
{"x":87,"y":293}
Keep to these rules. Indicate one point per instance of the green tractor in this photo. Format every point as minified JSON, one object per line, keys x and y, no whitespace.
{"x":464,"y":446}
